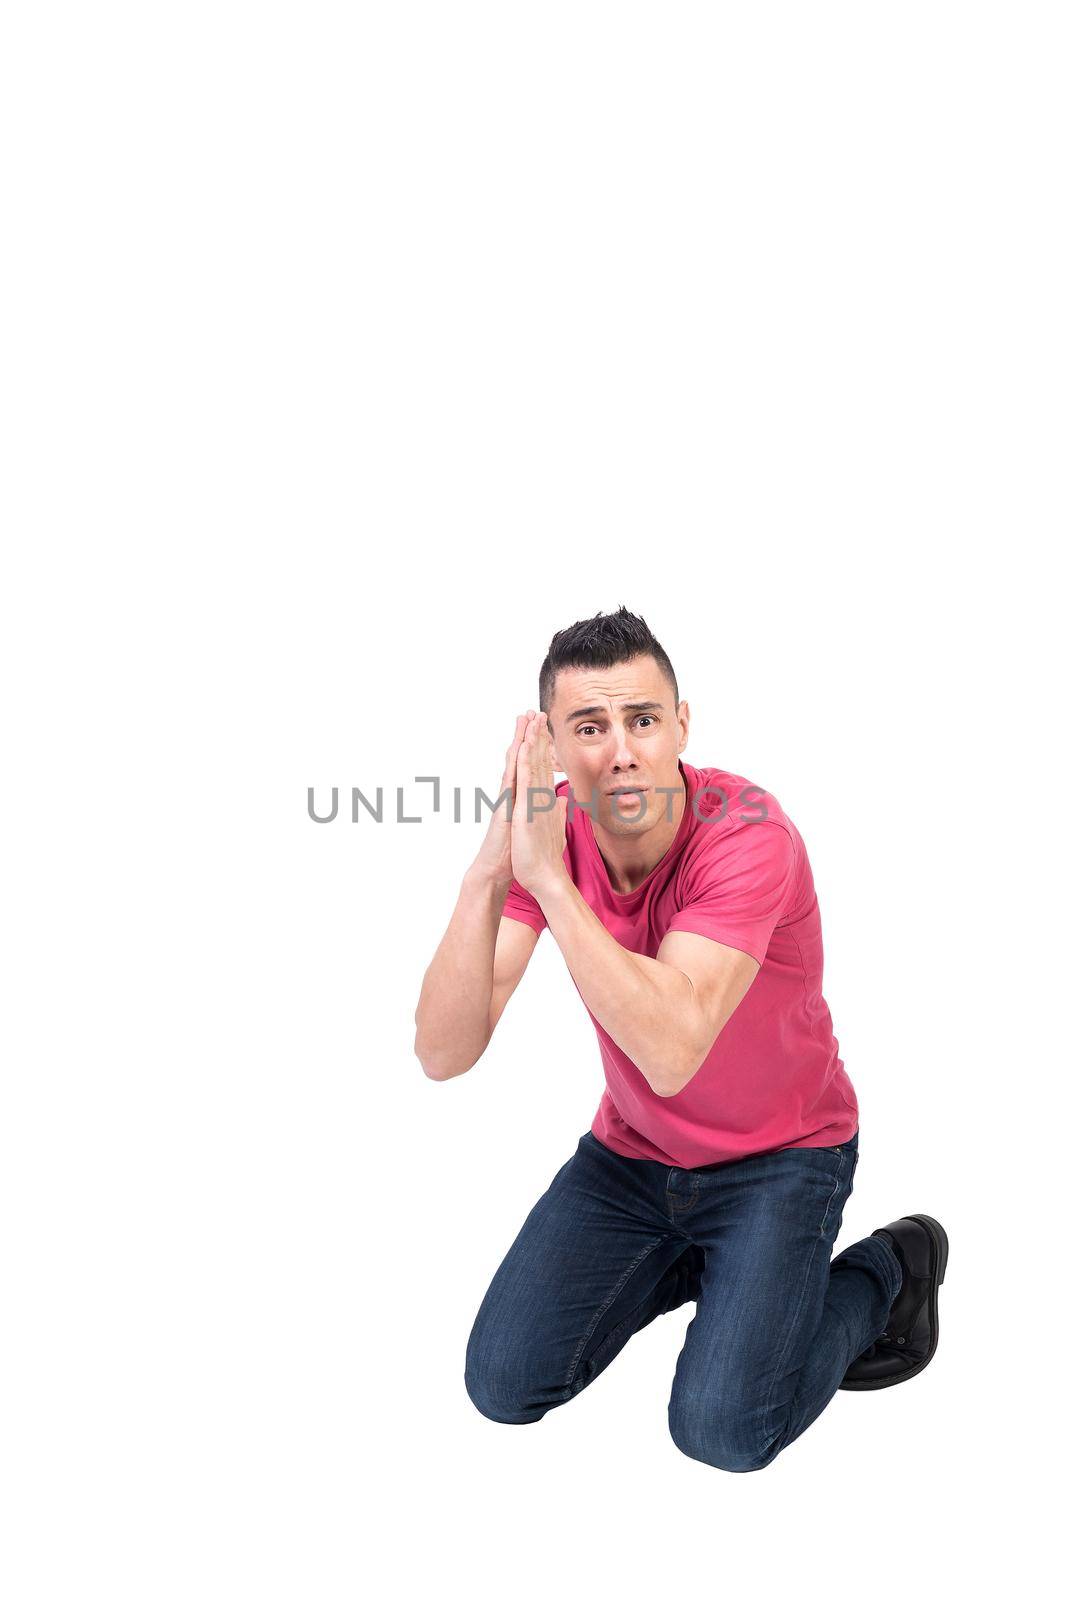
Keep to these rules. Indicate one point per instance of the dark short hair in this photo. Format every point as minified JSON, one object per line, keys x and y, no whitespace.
{"x":601,"y":641}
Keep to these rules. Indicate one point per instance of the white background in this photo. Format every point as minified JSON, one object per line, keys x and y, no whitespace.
{"x":350,"y":352}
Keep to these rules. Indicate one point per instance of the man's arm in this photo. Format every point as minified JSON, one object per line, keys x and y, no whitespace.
{"x":665,"y":1014}
{"x":482,"y":955}
{"x":477,"y":966}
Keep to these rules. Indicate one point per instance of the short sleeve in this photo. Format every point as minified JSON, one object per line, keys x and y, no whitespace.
{"x":738,"y":886}
{"x":522,"y":907}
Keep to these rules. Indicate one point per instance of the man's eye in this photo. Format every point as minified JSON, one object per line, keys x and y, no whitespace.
{"x":589,"y":726}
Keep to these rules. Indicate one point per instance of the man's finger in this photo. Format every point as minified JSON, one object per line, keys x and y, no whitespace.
{"x":519,"y":734}
{"x":542,"y":748}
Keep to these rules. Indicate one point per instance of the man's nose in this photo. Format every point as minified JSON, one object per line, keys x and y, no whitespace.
{"x":622,"y":755}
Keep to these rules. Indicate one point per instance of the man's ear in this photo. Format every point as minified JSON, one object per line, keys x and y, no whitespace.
{"x":683,"y":715}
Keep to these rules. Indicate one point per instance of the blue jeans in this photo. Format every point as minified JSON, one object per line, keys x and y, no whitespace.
{"x":615,"y":1242}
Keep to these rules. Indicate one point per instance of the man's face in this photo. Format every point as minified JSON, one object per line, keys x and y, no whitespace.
{"x":616,"y":728}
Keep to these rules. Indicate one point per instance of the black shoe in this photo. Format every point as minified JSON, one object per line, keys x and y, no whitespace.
{"x":908,"y":1343}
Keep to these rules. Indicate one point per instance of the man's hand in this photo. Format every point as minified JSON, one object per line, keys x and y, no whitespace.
{"x":538,"y":831}
{"x":494,"y":859}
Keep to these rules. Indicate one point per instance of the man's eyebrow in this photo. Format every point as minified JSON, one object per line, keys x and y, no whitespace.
{"x":631,"y":705}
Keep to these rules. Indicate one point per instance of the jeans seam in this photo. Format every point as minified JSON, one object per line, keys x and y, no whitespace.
{"x":831,"y":1196}
{"x":588,"y":1335}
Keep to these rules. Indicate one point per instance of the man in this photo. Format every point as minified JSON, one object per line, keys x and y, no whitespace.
{"x":726,"y":1142}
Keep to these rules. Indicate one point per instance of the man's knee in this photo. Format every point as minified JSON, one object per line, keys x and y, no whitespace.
{"x":498,"y":1400}
{"x":502,"y":1387}
{"x":725,"y":1438}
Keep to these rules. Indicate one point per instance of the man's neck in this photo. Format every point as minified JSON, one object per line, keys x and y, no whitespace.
{"x":628,"y":862}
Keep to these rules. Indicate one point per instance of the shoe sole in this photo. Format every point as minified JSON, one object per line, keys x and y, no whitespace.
{"x":941,"y":1243}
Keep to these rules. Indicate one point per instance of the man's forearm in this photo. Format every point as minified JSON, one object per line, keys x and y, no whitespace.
{"x":452,"y":1018}
{"x":647,"y":1008}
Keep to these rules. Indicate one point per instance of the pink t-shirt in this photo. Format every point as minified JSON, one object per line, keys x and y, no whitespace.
{"x":773,"y":1077}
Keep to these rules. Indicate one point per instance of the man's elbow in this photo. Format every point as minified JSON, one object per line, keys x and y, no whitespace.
{"x":438,"y":1071}
{"x":442,"y":1074}
{"x":666,"y":1088}
{"x":677,"y":1073}
{"x":438,"y":1066}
